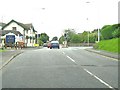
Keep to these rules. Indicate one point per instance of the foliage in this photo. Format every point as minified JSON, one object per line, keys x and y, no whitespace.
{"x":109,"y":31}
{"x":75,"y":38}
{"x":61,"y":39}
{"x":116,"y":33}
{"x":109,"y":45}
{"x":44,"y":37}
{"x":106,"y":32}
{"x":84,"y":37}
{"x":55,"y":38}
{"x":93,"y":37}
{"x":40,"y":42}
{"x":69,"y":34}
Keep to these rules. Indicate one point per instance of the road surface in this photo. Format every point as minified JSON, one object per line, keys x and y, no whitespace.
{"x":71,"y":67}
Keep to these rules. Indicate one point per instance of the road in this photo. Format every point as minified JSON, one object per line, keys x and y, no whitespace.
{"x":60,"y":68}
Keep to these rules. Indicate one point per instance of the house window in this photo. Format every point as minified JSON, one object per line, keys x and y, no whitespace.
{"x":14,"y":28}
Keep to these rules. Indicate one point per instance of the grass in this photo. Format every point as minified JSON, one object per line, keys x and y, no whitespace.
{"x":109,"y":45}
{"x":1,"y":50}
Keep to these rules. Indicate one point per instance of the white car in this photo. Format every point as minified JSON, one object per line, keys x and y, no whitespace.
{"x":54,"y":44}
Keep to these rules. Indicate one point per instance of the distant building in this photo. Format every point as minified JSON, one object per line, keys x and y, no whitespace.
{"x":26,"y":30}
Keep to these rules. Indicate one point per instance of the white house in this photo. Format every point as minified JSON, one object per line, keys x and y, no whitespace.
{"x":27,"y":30}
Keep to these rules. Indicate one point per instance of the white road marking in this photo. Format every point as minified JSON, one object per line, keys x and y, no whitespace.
{"x":63,"y":52}
{"x":71,"y":59}
{"x":99,"y":79}
{"x":6,"y":62}
{"x":110,"y":58}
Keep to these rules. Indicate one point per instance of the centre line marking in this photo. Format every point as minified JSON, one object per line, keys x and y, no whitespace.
{"x":71,"y":59}
{"x":99,"y":79}
{"x":63,"y":52}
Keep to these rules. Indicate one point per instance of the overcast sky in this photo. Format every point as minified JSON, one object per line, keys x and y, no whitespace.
{"x":53,"y":16}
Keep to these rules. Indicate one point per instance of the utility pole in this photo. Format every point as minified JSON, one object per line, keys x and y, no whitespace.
{"x":88,"y":25}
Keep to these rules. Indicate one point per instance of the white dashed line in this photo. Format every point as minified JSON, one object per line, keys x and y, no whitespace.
{"x":71,"y":59}
{"x":63,"y":52}
{"x":99,"y":79}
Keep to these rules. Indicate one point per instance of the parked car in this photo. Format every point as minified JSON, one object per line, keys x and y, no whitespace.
{"x":45,"y":45}
{"x":54,"y":44}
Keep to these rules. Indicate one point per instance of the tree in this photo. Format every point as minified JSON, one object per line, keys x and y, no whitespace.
{"x":69,"y":34}
{"x":85,"y":36}
{"x":116,"y":33}
{"x":108,"y":32}
{"x":55,"y":38}
{"x":44,"y":37}
{"x":75,"y":38}
{"x":61,"y":39}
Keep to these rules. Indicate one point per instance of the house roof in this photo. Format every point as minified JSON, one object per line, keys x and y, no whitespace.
{"x":4,"y":32}
{"x":30,"y":26}
{"x":2,"y":24}
{"x":25,"y":26}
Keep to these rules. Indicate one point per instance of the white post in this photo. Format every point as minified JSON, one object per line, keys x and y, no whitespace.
{"x":88,"y":38}
{"x":98,"y":35}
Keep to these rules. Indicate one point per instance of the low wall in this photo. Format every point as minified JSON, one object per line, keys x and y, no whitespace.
{"x":80,"y":44}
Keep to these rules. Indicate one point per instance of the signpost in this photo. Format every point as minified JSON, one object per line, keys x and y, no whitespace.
{"x":10,"y":40}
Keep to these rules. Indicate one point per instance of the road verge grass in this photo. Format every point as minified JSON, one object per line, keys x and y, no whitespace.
{"x":111,"y":45}
{"x":2,"y":50}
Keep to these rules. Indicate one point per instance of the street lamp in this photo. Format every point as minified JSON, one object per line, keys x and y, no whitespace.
{"x":41,"y":24}
{"x":87,"y":22}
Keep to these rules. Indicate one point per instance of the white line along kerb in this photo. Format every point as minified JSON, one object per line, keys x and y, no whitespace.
{"x":99,"y":79}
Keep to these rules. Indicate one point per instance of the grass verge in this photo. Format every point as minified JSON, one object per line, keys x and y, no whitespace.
{"x":111,"y":45}
{"x":2,"y":50}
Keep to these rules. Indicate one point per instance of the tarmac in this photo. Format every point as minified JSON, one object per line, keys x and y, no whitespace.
{"x":9,"y":54}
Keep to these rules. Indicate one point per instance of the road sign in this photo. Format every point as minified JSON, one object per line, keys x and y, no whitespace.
{"x":10,"y":38}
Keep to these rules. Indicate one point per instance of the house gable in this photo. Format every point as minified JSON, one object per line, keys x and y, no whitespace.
{"x":19,"y":24}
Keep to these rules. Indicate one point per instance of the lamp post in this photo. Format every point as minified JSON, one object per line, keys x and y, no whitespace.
{"x":38,"y":35}
{"x":87,"y":22}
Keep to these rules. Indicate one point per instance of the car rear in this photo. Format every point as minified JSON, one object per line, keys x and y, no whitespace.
{"x":54,"y":44}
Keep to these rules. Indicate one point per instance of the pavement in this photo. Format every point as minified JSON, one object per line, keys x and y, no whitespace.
{"x":104,"y":53}
{"x":9,"y":54}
